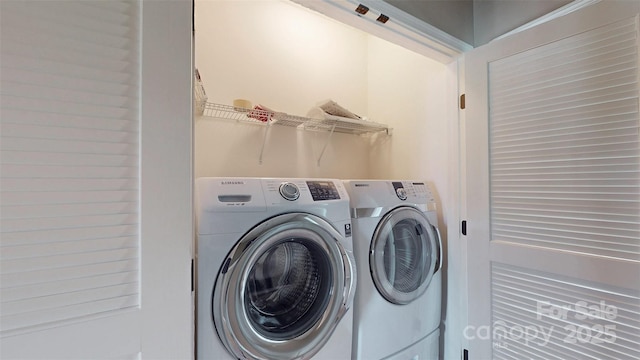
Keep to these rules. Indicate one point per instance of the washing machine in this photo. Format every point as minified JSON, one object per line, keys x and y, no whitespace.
{"x":398,"y":251}
{"x":275,"y":273}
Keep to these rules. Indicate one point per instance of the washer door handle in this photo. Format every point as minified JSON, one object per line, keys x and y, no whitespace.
{"x":350,"y":279}
{"x":439,"y":244}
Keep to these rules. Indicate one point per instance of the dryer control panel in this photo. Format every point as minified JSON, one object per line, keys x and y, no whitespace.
{"x":372,"y":194}
{"x":411,"y":189}
{"x":401,"y":193}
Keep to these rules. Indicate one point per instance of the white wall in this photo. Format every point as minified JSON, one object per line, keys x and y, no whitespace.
{"x":288,"y":58}
{"x":408,"y":92}
{"x":416,"y":97}
{"x":283,"y":56}
{"x":280,"y":55}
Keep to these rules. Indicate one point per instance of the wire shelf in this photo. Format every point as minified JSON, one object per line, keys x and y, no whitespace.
{"x":257,"y":116}
{"x":345,"y":125}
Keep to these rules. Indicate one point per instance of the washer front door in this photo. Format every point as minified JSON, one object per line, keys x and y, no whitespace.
{"x":283,"y":289}
{"x":403,"y":255}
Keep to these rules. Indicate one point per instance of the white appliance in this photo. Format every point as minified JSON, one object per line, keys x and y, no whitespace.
{"x":398,"y":252}
{"x":275,"y":271}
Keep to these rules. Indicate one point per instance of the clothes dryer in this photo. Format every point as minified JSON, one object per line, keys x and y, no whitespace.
{"x":398,"y":251}
{"x":275,"y":271}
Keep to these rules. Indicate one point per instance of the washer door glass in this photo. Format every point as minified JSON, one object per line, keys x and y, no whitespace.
{"x":283,"y":288}
{"x":288,"y":287}
{"x":403,"y":255}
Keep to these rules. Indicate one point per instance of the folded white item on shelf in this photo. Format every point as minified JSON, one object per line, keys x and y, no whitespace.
{"x":317,"y":113}
{"x":199,"y":93}
{"x":333,"y":108}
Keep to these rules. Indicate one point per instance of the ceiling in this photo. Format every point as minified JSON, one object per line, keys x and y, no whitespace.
{"x":477,"y":22}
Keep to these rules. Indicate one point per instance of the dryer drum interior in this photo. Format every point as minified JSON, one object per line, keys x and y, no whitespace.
{"x":406,"y":256}
{"x":402,"y":255}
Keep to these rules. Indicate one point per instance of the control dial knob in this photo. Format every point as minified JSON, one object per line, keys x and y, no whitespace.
{"x":289,"y":191}
{"x":402,"y":193}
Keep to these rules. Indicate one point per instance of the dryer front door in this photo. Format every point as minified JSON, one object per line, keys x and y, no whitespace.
{"x":283,"y":289}
{"x":403,"y":255}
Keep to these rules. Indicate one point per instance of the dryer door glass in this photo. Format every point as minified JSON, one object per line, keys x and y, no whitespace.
{"x":403,"y":255}
{"x":284,"y":288}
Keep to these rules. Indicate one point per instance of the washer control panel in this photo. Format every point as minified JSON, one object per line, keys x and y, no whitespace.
{"x":323,"y":190}
{"x":302,"y":191}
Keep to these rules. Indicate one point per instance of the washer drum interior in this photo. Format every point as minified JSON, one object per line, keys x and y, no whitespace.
{"x":283,"y":289}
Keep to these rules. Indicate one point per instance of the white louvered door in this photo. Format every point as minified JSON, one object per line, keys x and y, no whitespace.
{"x":94,"y":110}
{"x":553,"y":179}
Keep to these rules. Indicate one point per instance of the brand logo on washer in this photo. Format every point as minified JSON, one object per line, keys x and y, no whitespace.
{"x":230,"y":182}
{"x":362,"y":185}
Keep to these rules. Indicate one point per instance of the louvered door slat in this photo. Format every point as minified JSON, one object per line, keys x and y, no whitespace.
{"x":569,"y":143}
